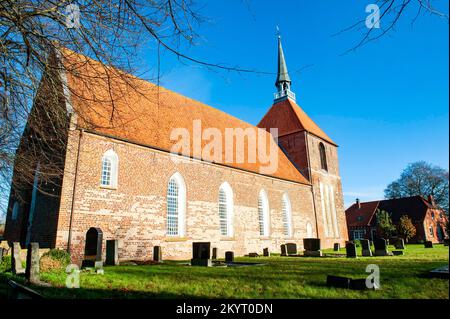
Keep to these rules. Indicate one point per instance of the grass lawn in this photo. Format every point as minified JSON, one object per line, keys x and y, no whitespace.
{"x":280,"y":277}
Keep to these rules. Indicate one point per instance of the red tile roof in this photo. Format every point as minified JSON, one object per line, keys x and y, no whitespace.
{"x":289,"y":118}
{"x":415,"y":207}
{"x":144,"y":113}
{"x":362,"y":215}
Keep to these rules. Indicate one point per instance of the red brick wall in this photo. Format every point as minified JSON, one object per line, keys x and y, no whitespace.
{"x":135,"y":212}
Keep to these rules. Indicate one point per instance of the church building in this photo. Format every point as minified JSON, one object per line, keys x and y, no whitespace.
{"x":121,"y":176}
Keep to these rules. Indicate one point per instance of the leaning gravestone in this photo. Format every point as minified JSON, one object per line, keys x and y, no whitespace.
{"x":214,"y":253}
{"x":400,"y":244}
{"x":229,"y":256}
{"x":291,"y":249}
{"x":201,"y":254}
{"x":283,"y":250}
{"x":428,"y":244}
{"x":112,"y":252}
{"x":351,"y":250}
{"x":93,"y":247}
{"x":312,"y":247}
{"x":16,"y":261}
{"x":381,"y":247}
{"x":266,"y":252}
{"x":32,"y":269}
{"x":157,"y":254}
{"x":337,"y":247}
{"x":365,"y":245}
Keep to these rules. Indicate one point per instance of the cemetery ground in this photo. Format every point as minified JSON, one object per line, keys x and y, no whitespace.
{"x":281,"y":277}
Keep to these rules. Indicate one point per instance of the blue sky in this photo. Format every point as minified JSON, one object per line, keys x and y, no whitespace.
{"x":385,"y":104}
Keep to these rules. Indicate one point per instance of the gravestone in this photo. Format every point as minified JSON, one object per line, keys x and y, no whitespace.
{"x":350,"y":248}
{"x":253,"y":255}
{"x":229,"y":256}
{"x":381,"y":247}
{"x":98,"y":266}
{"x":157,"y":254}
{"x":266,"y":252}
{"x":214,"y":253}
{"x":93,"y":247}
{"x":338,"y":282}
{"x":400,"y":244}
{"x":16,"y":261}
{"x":201,"y":254}
{"x":32,"y":269}
{"x":366,"y":250}
{"x":398,"y":252}
{"x":312,"y":247}
{"x":112,"y":252}
{"x":428,"y":244}
{"x":283,"y":250}
{"x":2,"y":252}
{"x":337,"y":247}
{"x":291,"y":249}
{"x":446,"y":241}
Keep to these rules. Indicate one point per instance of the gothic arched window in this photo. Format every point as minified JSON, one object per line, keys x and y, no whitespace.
{"x":263,"y":213}
{"x":110,"y":167}
{"x":323,"y":157}
{"x":287,"y":219}
{"x":226,"y":210}
{"x":176,"y":205}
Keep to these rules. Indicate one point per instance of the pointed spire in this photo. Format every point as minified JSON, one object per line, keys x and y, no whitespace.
{"x":283,"y":75}
{"x":283,"y":82}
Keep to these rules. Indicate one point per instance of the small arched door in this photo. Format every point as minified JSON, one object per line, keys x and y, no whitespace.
{"x":93,"y":245}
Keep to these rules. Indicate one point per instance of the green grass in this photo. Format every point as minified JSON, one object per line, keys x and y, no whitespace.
{"x":280,"y":277}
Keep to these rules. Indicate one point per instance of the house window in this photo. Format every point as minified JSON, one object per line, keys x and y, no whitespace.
{"x":358,"y":234}
{"x":263,"y":213}
{"x":226,"y":210}
{"x":323,"y":157}
{"x":287,"y":219}
{"x":432,"y":215}
{"x":176,"y":205}
{"x":110,"y":163}
{"x":15,"y":211}
{"x":431,"y":231}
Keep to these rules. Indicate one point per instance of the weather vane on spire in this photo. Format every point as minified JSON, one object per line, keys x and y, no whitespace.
{"x":278,"y":32}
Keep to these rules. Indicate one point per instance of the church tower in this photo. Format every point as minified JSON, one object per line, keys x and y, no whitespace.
{"x":313,"y":153}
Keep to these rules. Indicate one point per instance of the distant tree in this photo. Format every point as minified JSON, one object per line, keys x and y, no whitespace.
{"x":406,"y":228}
{"x":421,"y":178}
{"x":384,"y":223}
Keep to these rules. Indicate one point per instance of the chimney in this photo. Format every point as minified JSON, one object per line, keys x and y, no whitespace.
{"x":358,"y":203}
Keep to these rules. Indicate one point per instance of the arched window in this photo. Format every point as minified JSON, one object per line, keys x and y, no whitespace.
{"x":287,"y":213}
{"x":323,"y":157}
{"x":263,"y":213}
{"x":176,"y":205}
{"x":226,"y":210}
{"x":15,"y":210}
{"x":110,"y":166}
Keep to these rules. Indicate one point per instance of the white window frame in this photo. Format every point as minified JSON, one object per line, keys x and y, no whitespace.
{"x":113,"y":160}
{"x":181,"y":206}
{"x":287,"y":215}
{"x":360,"y":232}
{"x":263,"y":213}
{"x":226,"y":221}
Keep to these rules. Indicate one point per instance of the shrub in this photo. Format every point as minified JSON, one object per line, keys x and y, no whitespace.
{"x":5,"y":264}
{"x":54,"y":259}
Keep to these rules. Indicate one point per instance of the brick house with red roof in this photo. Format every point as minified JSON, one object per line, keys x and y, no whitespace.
{"x":427,"y":217}
{"x":120,"y":175}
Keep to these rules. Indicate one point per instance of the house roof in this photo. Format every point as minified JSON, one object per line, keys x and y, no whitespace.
{"x":415,"y":207}
{"x":289,"y":118}
{"x":111,"y":102}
